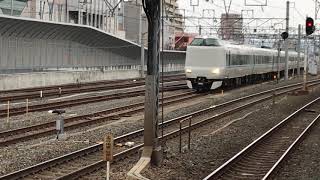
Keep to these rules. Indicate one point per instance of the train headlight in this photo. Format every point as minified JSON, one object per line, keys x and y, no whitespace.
{"x":215,"y":71}
{"x":188,"y":71}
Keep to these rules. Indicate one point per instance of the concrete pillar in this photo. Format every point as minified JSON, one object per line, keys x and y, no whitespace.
{"x":33,"y":8}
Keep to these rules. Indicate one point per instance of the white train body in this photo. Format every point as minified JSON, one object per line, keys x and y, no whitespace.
{"x":209,"y":65}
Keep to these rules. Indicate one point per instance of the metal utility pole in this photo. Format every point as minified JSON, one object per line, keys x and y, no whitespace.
{"x":95,"y":13}
{"x":91,"y":13}
{"x":11,"y":13}
{"x":79,"y":12}
{"x":67,"y":12}
{"x":152,"y":10}
{"x":87,"y":14}
{"x":306,"y":57}
{"x":103,"y":19}
{"x":286,"y":71}
{"x":141,"y":42}
{"x":316,"y":9}
{"x":298,"y":49}
{"x":278,"y":61}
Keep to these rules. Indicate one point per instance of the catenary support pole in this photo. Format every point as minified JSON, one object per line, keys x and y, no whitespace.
{"x":299,"y":49}
{"x":286,"y":70}
{"x":11,"y":13}
{"x":95,"y":13}
{"x":152,"y":10}
{"x":87,"y":14}
{"x":305,"y":66}
{"x":79,"y":12}
{"x":141,"y":43}
{"x":278,"y":61}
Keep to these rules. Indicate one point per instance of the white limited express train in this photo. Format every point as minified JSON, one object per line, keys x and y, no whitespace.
{"x":211,"y":62}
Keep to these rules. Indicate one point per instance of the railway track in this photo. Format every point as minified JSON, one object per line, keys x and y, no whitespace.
{"x":49,"y":91}
{"x":46,"y":129}
{"x":60,"y":168}
{"x":260,"y":159}
{"x":80,"y":101}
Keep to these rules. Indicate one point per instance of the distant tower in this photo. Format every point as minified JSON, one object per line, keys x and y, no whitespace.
{"x":231,"y":27}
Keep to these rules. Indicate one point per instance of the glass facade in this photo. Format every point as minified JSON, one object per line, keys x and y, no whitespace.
{"x":16,"y":5}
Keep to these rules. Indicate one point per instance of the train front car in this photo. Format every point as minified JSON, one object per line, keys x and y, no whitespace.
{"x":205,"y":62}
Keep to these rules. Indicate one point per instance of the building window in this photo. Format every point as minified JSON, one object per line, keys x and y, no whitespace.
{"x":18,"y":6}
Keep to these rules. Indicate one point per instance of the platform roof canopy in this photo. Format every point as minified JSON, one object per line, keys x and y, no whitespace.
{"x":39,"y":29}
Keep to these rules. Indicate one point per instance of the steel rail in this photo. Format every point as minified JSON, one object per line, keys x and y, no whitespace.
{"x":290,"y":149}
{"x":100,"y":164}
{"x":223,"y":168}
{"x":80,"y":101}
{"x":49,"y":93}
{"x":76,"y":85}
{"x":34,"y":169}
{"x":45,"y":129}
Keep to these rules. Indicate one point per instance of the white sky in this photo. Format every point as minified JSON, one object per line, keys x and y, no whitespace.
{"x":299,"y":9}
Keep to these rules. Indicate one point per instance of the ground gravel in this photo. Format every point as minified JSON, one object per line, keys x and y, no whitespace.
{"x":28,"y":153}
{"x":35,"y":118}
{"x":213,"y":146}
{"x":174,"y":166}
{"x":216,"y":143}
{"x":304,"y":162}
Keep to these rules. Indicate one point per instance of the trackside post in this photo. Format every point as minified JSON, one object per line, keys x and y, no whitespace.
{"x":108,"y":152}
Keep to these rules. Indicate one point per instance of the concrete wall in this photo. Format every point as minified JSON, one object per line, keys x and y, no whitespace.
{"x":34,"y":79}
{"x":24,"y":80}
{"x":23,"y":53}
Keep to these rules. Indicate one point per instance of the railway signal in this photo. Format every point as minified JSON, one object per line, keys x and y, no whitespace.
{"x":309,"y":26}
{"x":284,"y":35}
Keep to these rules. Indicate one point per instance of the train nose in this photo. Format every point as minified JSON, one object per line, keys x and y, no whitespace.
{"x":201,"y":80}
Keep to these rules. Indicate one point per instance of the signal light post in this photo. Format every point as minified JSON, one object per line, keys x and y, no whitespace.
{"x":309,"y":26}
{"x":309,"y":30}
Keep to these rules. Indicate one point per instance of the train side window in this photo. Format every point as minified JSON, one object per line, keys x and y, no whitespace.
{"x":211,"y":42}
{"x":234,"y":59}
{"x":228,"y":58}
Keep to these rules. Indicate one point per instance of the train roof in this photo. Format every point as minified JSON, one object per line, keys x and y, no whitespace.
{"x":244,"y":49}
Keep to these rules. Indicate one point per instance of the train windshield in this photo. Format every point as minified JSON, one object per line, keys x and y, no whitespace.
{"x":205,"y":42}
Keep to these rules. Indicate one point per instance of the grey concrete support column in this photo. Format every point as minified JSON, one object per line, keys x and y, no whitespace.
{"x":95,"y":13}
{"x":33,"y":8}
{"x":103,"y":19}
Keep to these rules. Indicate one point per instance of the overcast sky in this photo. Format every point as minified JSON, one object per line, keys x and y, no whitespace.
{"x":299,"y":9}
